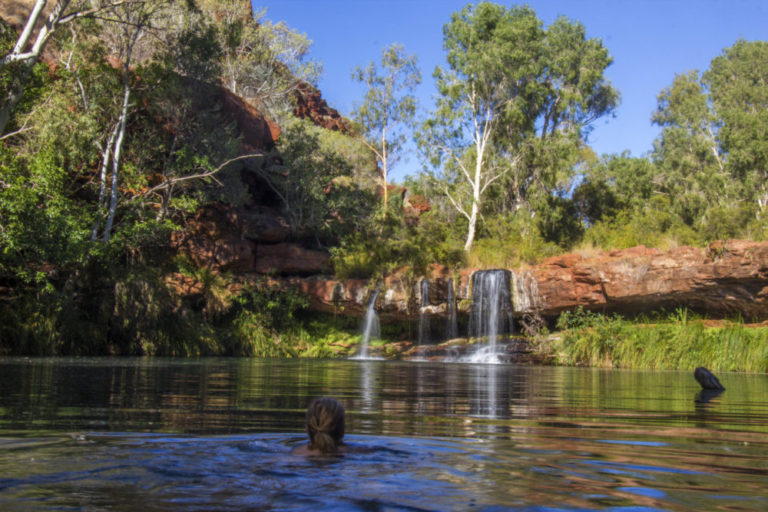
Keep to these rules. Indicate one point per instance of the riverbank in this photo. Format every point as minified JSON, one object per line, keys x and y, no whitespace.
{"x":679,"y":341}
{"x":676,"y":342}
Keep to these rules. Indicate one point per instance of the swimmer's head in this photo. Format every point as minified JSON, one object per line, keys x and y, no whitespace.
{"x":325,"y":424}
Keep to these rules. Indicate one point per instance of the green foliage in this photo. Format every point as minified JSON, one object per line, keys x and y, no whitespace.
{"x":558,"y":221}
{"x":41,"y":223}
{"x":392,"y":241}
{"x":262,"y":61}
{"x":316,"y":184}
{"x":509,"y":242}
{"x":513,"y":113}
{"x":612,"y":184}
{"x":388,"y":107}
{"x":276,"y":308}
{"x":711,"y":154}
{"x":652,"y":227}
{"x":679,"y":343}
{"x":180,"y":86}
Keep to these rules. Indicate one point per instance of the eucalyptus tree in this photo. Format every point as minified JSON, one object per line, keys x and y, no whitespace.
{"x":711,"y":153}
{"x":41,"y":25}
{"x":738,"y":90}
{"x":483,"y":90}
{"x":570,"y":92}
{"x":514,"y":109}
{"x":688,"y":152}
{"x":130,"y":22}
{"x":262,"y":61}
{"x":389,"y":106}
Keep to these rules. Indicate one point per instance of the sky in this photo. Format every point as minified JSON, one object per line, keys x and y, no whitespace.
{"x":650,"y":41}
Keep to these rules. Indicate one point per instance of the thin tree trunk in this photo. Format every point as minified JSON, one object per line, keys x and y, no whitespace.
{"x":116,"y":163}
{"x":384,"y":169}
{"x":103,"y":180}
{"x":476,"y":191}
{"x":481,"y":136}
{"x":34,"y":16}
{"x":121,"y":133}
{"x":28,"y":59}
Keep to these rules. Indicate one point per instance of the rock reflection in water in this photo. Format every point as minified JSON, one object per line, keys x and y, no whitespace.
{"x":217,"y":434}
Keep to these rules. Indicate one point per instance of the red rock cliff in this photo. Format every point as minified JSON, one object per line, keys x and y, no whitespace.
{"x":724,"y":279}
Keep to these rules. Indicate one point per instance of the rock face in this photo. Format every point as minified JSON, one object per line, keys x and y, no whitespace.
{"x":290,"y":259}
{"x":311,"y":105}
{"x":245,"y":241}
{"x":257,"y":131}
{"x":722,"y":280}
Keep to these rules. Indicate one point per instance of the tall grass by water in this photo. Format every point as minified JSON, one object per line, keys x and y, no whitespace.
{"x":677,"y":342}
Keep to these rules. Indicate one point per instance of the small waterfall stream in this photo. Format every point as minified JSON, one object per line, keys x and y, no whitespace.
{"x":423,"y":315}
{"x":491,"y":312}
{"x":371,"y":327}
{"x":451,"y":326}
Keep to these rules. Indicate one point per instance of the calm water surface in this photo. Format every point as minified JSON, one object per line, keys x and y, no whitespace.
{"x":216,"y":434}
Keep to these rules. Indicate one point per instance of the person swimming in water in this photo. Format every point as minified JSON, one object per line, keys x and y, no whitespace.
{"x":325,"y":427}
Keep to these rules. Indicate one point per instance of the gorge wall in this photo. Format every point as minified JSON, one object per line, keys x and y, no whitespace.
{"x":725,"y":279}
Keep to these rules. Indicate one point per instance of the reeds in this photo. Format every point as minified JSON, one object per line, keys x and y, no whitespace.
{"x":677,"y":343}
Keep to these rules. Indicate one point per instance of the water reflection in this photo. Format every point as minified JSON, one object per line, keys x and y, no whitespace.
{"x":215,"y":434}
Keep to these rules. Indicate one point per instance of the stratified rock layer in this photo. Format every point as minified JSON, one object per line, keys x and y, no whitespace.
{"x":724,"y":279}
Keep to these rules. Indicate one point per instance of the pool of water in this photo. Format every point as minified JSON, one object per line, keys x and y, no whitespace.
{"x":217,"y":434}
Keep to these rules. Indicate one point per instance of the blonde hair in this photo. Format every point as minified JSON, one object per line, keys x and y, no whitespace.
{"x":325,"y":424}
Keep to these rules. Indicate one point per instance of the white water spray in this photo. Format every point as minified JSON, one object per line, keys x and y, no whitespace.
{"x":491,"y":313}
{"x":423,"y":316}
{"x":371,"y":328}
{"x":451,"y":327}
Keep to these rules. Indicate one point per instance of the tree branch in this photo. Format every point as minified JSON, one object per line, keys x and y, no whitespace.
{"x":206,"y":174}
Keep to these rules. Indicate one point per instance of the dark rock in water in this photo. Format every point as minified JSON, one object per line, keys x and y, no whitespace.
{"x":707,"y":379}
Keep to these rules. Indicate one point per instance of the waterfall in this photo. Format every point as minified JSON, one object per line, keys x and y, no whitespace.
{"x":371,"y":327}
{"x":491,"y":311}
{"x":451,"y":328}
{"x":423,"y":317}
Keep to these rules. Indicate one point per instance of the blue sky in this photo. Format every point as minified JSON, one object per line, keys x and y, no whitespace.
{"x":650,"y":41}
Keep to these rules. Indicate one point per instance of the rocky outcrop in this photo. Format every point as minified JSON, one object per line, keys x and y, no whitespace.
{"x":311,"y":105}
{"x":245,"y":241}
{"x":722,"y":280}
{"x":256,"y":130}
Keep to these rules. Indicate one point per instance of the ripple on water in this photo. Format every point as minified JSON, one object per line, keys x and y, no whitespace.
{"x":160,"y":472}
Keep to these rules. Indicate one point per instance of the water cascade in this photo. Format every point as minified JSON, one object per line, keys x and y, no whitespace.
{"x":451,"y":327}
{"x":491,"y":312}
{"x":371,"y":327}
{"x":423,"y":316}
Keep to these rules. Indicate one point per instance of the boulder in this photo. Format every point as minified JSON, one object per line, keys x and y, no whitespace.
{"x":707,"y":380}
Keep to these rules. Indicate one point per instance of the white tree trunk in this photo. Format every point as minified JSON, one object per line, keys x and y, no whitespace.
{"x":103,"y":179}
{"x":28,"y":58}
{"x":476,"y":190}
{"x":384,"y":170}
{"x":116,"y":161}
